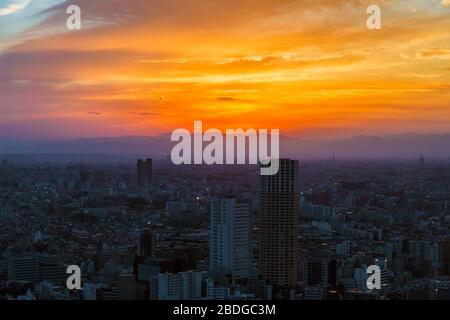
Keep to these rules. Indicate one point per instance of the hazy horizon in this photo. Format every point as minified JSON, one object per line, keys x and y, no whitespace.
{"x":403,"y":146}
{"x":163,"y":134}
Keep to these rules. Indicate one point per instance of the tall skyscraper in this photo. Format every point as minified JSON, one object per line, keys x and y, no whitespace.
{"x":279,"y":211}
{"x":148,"y":243}
{"x":230,"y":240}
{"x":144,"y":172}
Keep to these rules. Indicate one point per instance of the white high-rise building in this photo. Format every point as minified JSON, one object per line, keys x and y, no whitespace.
{"x":230,"y":239}
{"x":178,"y":286}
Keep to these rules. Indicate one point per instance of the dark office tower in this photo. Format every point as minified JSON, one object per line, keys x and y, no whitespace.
{"x":147,"y":243}
{"x":279,"y":211}
{"x":422,"y":160}
{"x":84,"y":176}
{"x":144,"y":172}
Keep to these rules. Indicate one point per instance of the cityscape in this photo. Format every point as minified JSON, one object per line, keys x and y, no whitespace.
{"x":149,"y":230}
{"x":213,"y":158}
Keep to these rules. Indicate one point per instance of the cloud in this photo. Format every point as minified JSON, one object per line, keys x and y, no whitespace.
{"x":93,"y":113}
{"x":226,"y":99}
{"x":434,"y":53}
{"x":34,"y":64}
{"x":14,"y":7}
{"x":144,"y":114}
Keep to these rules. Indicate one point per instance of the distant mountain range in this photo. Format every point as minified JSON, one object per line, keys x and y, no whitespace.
{"x":404,"y":146}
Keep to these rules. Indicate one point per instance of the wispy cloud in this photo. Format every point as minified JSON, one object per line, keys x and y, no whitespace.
{"x":13,"y":7}
{"x":144,"y":114}
{"x":230,"y":99}
{"x":434,"y":53}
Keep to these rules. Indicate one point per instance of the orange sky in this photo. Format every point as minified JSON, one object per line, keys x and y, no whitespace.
{"x":310,"y":68}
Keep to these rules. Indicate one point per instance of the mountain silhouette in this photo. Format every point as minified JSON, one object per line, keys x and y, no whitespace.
{"x":404,"y":146}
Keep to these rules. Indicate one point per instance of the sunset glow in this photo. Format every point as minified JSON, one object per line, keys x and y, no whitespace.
{"x":145,"y":67}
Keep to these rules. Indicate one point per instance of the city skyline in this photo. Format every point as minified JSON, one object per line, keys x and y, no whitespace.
{"x":223,"y":155}
{"x":149,"y":67}
{"x":311,"y":232}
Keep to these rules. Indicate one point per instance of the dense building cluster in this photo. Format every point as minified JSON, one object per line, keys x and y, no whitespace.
{"x":152,"y":230}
